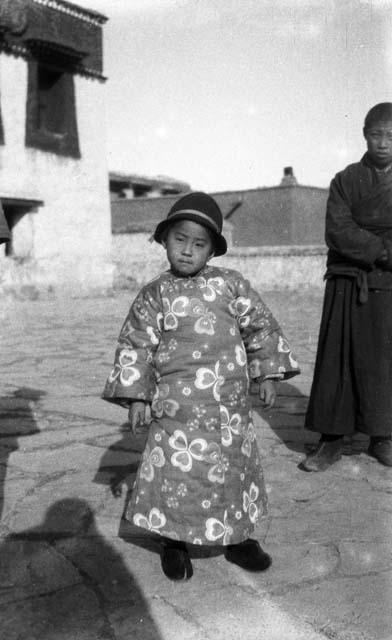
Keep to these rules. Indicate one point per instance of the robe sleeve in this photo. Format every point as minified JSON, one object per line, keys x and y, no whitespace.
{"x":268,"y":352}
{"x":342,"y":233}
{"x":133,"y":375}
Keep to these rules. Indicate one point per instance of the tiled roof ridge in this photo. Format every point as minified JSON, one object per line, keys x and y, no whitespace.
{"x":156,"y":179}
{"x":23,"y":51}
{"x":88,"y":15}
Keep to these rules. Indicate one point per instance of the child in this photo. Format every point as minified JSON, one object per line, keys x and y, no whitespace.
{"x":183,"y":353}
{"x":352,"y":386}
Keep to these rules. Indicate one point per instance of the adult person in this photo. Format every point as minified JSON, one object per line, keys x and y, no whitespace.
{"x":352,"y":385}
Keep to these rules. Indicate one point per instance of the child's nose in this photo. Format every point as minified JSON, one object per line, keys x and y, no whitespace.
{"x":187,"y":249}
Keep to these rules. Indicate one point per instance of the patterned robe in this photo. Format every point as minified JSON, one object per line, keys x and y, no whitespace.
{"x":188,"y":346}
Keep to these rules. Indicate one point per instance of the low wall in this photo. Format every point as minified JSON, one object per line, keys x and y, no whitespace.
{"x":137,"y":261}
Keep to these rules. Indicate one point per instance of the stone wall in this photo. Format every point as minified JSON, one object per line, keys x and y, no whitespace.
{"x":273,"y":216}
{"x":64,"y":244}
{"x":137,"y":261}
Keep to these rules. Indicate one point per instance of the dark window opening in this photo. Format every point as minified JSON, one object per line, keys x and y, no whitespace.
{"x":14,"y":210}
{"x":51,"y":123}
{"x":51,"y":89}
{"x":12,"y":215}
{"x":141,"y":190}
{"x":170,"y":191}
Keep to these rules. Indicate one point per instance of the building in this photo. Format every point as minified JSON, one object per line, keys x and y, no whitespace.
{"x":53,"y":168}
{"x":122,"y":185}
{"x":287,"y":214}
{"x":275,"y":234}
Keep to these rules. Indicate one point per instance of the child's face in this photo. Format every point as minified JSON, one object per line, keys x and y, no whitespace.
{"x":379,"y":143}
{"x":188,"y":246}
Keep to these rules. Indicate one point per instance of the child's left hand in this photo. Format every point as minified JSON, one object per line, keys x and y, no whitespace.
{"x":268,"y":393}
{"x":139,"y":416}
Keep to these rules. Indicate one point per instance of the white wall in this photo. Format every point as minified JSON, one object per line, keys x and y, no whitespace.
{"x":66,"y":243}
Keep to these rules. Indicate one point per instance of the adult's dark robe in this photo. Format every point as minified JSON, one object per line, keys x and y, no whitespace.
{"x":352,"y":385}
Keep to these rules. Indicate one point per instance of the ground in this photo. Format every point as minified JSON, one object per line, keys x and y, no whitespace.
{"x":67,"y":572}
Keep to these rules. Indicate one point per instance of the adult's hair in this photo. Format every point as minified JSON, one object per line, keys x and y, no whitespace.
{"x":381,"y":112}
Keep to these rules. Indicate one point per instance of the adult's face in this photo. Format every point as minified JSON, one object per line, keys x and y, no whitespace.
{"x":379,"y":143}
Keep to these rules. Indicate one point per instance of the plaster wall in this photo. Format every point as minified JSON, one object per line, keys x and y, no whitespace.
{"x":263,"y":219}
{"x":308,"y":215}
{"x":66,"y":242}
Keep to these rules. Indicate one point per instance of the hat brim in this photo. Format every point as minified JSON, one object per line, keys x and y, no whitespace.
{"x":220,"y":247}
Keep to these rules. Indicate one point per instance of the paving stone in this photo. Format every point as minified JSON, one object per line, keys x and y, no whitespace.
{"x":365,"y":558}
{"x":29,"y":568}
{"x":353,"y":609}
{"x":72,"y":613}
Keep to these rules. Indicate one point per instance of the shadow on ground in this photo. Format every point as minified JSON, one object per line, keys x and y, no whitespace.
{"x":287,"y":421}
{"x":17,"y":420}
{"x":287,"y":417}
{"x":118,"y":466}
{"x":63,"y":580}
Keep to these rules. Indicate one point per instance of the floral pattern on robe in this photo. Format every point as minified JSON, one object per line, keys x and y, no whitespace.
{"x":189,"y":346}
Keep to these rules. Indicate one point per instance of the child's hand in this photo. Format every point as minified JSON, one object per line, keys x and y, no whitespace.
{"x":382,"y":258}
{"x":139,"y":415}
{"x":268,"y":393}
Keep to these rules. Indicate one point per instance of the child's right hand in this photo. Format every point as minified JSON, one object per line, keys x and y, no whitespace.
{"x":139,"y":416}
{"x":268,"y":393}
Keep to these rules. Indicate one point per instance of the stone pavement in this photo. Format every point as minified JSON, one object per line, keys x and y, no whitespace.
{"x":65,"y":574}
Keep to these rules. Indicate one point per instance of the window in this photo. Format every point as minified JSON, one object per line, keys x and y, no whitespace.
{"x":51,"y":123}
{"x":20,"y":243}
{"x":51,"y":90}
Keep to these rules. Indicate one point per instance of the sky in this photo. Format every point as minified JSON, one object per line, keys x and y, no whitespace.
{"x":224,"y":94}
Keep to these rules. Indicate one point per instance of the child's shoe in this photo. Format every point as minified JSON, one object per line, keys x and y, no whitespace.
{"x":175,"y":560}
{"x":248,"y":555}
{"x":381,"y":449}
{"x":326,"y":453}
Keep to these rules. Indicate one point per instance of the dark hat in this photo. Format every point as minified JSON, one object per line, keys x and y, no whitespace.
{"x":198,"y":207}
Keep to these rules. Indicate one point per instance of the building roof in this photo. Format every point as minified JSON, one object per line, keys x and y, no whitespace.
{"x":53,"y":31}
{"x":72,"y":8}
{"x":126,"y":181}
